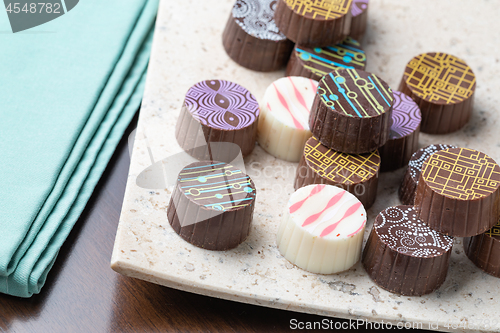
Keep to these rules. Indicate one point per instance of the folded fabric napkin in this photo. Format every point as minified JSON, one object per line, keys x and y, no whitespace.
{"x":68,"y":90}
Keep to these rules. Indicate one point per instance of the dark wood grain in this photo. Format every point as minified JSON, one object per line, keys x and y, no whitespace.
{"x":83,"y":294}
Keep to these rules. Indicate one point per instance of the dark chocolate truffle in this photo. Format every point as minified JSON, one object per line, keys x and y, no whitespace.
{"x":212,"y":205}
{"x":357,"y":174}
{"x":359,"y":19}
{"x":217,"y":111}
{"x":403,"y":138}
{"x":408,"y":187}
{"x":443,"y":86}
{"x":352,"y":111}
{"x":315,"y":23}
{"x":316,"y":62}
{"x":252,"y":39}
{"x":484,"y":250}
{"x":458,"y":193}
{"x":403,"y":255}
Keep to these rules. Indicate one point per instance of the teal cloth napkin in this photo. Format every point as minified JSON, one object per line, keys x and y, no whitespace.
{"x":68,"y":90}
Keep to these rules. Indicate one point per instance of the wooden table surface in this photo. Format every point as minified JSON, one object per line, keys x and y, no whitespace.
{"x":83,"y":294}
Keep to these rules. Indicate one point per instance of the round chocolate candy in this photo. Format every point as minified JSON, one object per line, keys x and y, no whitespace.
{"x":217,"y":111}
{"x":315,"y":23}
{"x":359,"y":18}
{"x":458,"y":192}
{"x":403,"y":255}
{"x":212,"y":205}
{"x":316,"y":62}
{"x":283,"y":124}
{"x":357,"y":174}
{"x":443,"y":86}
{"x":252,"y":39}
{"x":322,"y":229}
{"x":484,"y":250}
{"x":403,"y":138}
{"x":408,"y":187}
{"x":352,"y":111}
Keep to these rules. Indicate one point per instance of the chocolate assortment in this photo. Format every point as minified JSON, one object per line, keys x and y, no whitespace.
{"x":252,"y":39}
{"x":344,"y":126}
{"x":212,"y":205}
{"x":315,"y":23}
{"x":443,"y":86}
{"x":352,"y":111}
{"x":357,"y":174}
{"x":403,"y":255}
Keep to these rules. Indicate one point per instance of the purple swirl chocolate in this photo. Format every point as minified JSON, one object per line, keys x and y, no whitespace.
{"x":252,"y":39}
{"x":217,"y":111}
{"x":408,"y":187}
{"x":359,"y":21}
{"x":405,"y":256}
{"x":404,"y":133}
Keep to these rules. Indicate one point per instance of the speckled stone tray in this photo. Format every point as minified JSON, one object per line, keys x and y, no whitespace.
{"x":187,"y":49}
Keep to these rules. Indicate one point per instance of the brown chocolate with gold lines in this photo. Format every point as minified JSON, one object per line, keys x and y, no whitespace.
{"x":484,"y":250}
{"x":357,"y":174}
{"x":458,"y":193}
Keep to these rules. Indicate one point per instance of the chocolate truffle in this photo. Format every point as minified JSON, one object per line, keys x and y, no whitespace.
{"x":458,"y":193}
{"x":484,"y":250}
{"x":283,"y":124}
{"x":322,"y":229}
{"x":316,"y":62}
{"x":357,"y":174}
{"x":359,"y":18}
{"x":403,"y":255}
{"x":314,"y":23}
{"x":217,"y":111}
{"x":352,"y":111}
{"x":403,"y":138}
{"x":408,"y":187}
{"x":212,"y":205}
{"x":252,"y":39}
{"x":443,"y":87}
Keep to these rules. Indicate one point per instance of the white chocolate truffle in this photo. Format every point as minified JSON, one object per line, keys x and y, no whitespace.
{"x":322,"y":229}
{"x":284,"y":119}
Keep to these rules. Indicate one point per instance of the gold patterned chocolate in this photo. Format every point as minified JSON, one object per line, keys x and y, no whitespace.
{"x":461,"y":173}
{"x":495,"y":231}
{"x":320,"y":9}
{"x":440,"y":78}
{"x":339,"y":167}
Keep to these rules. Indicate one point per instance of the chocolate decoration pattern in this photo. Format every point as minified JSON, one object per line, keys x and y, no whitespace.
{"x":357,"y":174}
{"x":225,"y":111}
{"x":315,"y":23}
{"x":317,"y":62}
{"x":443,"y":86}
{"x":256,"y":17}
{"x":403,"y":255}
{"x":458,"y":193}
{"x":352,"y":111}
{"x":322,"y":229}
{"x":283,"y":124}
{"x":408,"y":187}
{"x":484,"y":250}
{"x":359,"y":18}
{"x":404,"y":133}
{"x":252,"y":39}
{"x":212,"y":205}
